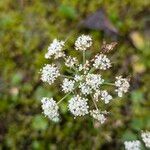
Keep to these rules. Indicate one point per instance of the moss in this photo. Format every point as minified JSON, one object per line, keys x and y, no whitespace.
{"x":26,"y":29}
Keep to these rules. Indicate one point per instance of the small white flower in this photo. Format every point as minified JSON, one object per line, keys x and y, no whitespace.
{"x":146,"y":138}
{"x":68,"y":85}
{"x":85,"y":89}
{"x":71,"y":61}
{"x":105,"y":96}
{"x":49,"y":73}
{"x":94,"y":80}
{"x":78,"y":106}
{"x":80,"y":68}
{"x":122,"y":85}
{"x":132,"y":145}
{"x":84,"y":67}
{"x":78,"y":78}
{"x":96,"y":95}
{"x":101,"y":62}
{"x":50,"y":109}
{"x":83,"y":42}
{"x":96,"y":114}
{"x":55,"y":49}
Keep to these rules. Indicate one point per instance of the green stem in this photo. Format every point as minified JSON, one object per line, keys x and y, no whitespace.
{"x":70,"y":71}
{"x":91,"y":70}
{"x":63,"y":98}
{"x":83,"y":57}
{"x":76,"y":71}
{"x":107,"y":83}
{"x":69,"y":35}
{"x":65,"y":76}
{"x":66,"y":95}
{"x":94,"y":103}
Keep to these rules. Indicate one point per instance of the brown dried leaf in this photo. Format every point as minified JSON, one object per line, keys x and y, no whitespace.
{"x":99,"y":21}
{"x":106,"y":48}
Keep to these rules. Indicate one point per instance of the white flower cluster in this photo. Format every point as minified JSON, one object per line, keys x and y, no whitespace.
{"x":84,"y":67}
{"x":103,"y":95}
{"x":136,"y":145}
{"x":68,"y":85}
{"x":50,"y":108}
{"x":83,"y":80}
{"x":132,"y":145}
{"x":91,"y":82}
{"x":85,"y":89}
{"x":71,"y":61}
{"x":94,"y":80}
{"x":49,"y":73}
{"x":146,"y":138}
{"x":122,"y":85}
{"x":96,"y":114}
{"x":101,"y":62}
{"x":78,"y":78}
{"x":83,"y":42}
{"x":78,"y":106}
{"x":55,"y":49}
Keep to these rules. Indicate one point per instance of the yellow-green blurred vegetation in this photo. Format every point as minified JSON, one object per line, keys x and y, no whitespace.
{"x":26,"y":29}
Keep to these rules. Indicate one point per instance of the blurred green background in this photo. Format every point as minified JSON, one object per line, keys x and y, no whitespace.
{"x":26,"y":29}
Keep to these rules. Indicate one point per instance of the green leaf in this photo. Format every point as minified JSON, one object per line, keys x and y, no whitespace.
{"x":128,"y":135}
{"x":137,"y":124}
{"x":67,"y":11}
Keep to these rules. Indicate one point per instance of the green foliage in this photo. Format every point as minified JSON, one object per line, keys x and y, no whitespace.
{"x":129,"y":136}
{"x":26,"y":29}
{"x":137,"y":96}
{"x":67,"y":11}
{"x":39,"y":123}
